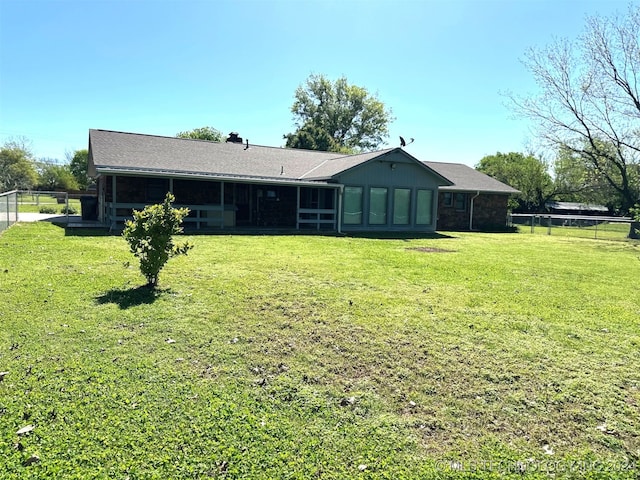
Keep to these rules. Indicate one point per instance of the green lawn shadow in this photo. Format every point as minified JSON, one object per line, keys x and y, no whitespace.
{"x":130,"y":297}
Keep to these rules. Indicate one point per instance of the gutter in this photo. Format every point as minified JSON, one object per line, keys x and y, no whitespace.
{"x":471,"y":210}
{"x":212,"y":177}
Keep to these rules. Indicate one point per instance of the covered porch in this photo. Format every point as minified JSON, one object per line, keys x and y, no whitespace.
{"x":224,"y":204}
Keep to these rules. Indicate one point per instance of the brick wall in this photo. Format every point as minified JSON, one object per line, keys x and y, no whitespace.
{"x":489,"y":212}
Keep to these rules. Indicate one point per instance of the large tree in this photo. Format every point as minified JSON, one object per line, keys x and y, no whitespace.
{"x":589,"y":101}
{"x":523,"y":172}
{"x":203,"y":133}
{"x":337,"y":116}
{"x":79,"y":165}
{"x":313,"y":137}
{"x":56,"y":177}
{"x":579,"y":181}
{"x":17,"y":169}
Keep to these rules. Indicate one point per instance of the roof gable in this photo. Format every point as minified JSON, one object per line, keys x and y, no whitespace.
{"x":337,"y":166}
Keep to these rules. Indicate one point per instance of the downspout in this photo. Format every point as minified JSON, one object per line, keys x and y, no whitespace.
{"x":471,"y":211}
{"x":340,"y":192}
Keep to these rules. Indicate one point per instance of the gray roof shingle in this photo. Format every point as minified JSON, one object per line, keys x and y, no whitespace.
{"x":467,"y":179}
{"x":112,"y":151}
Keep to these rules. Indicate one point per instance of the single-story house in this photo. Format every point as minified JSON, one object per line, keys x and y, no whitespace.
{"x":234,"y":185}
{"x":474,"y":201}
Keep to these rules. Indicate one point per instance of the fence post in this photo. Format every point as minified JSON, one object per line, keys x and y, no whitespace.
{"x":533,"y":221}
{"x":549,"y":225}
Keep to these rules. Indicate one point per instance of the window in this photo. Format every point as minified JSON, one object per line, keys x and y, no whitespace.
{"x":352,"y":206}
{"x":461,"y":202}
{"x":447,"y":199}
{"x":401,"y":206}
{"x":377,"y":206}
{"x":424,"y":207}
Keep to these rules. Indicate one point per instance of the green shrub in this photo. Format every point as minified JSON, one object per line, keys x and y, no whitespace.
{"x":47,"y":209}
{"x":150,"y":237}
{"x":71,"y":210}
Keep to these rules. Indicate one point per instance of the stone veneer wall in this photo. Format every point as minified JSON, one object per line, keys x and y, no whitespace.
{"x":489,"y":212}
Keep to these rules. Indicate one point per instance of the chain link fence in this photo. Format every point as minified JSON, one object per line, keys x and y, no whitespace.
{"x":585,"y":226}
{"x":8,"y":209}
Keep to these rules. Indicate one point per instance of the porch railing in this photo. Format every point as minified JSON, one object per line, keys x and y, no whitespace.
{"x":318,"y":217}
{"x":200,"y":216}
{"x":220,"y":216}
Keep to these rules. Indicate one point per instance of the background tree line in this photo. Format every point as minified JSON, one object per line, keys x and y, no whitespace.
{"x":568,"y":178}
{"x":20,"y":170}
{"x":587,"y":114}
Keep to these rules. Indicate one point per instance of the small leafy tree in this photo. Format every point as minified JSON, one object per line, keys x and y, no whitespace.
{"x":150,"y":236}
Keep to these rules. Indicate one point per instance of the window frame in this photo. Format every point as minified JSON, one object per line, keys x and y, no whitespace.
{"x":344,"y":205}
{"x":386,"y":206}
{"x":418,"y":207}
{"x":395,"y":203}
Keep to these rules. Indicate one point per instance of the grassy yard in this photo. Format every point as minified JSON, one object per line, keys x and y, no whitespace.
{"x":602,"y":231}
{"x":33,"y":203}
{"x":466,"y":356}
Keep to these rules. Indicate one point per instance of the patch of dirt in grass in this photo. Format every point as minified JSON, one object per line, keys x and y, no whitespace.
{"x":430,"y":250}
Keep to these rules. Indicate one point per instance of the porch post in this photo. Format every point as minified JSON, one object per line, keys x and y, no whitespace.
{"x":298,"y":207}
{"x":222,"y":205}
{"x":114,"y":200}
{"x":340,"y":190}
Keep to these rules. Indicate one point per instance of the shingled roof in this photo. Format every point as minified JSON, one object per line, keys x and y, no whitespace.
{"x":120,"y":152}
{"x":113,"y":152}
{"x":467,"y":179}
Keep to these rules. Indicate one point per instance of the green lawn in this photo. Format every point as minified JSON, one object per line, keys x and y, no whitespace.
{"x":602,"y":231}
{"x":466,"y":356}
{"x":32,"y":203}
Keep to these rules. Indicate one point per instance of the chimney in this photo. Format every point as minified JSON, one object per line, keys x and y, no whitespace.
{"x":234,"y":138}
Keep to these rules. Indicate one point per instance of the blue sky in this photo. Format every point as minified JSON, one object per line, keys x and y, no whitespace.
{"x":164,"y":66}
